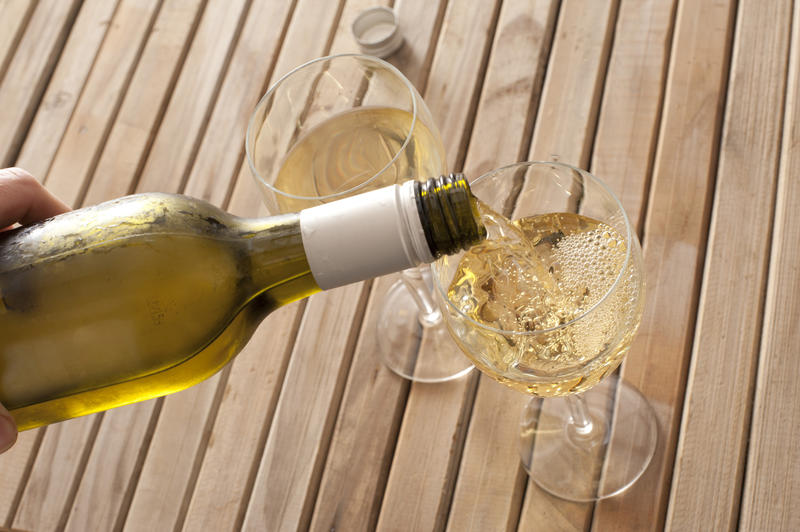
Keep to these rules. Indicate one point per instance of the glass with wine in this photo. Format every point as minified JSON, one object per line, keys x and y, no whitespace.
{"x":549,"y":305}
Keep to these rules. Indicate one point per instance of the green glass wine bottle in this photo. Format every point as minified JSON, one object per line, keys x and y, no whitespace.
{"x":149,"y":294}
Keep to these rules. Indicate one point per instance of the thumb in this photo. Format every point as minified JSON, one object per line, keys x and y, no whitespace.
{"x":8,"y":430}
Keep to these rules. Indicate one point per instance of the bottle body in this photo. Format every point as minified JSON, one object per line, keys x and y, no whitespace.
{"x":148,"y":295}
{"x":135,"y":299}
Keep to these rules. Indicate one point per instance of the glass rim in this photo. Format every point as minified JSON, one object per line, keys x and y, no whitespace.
{"x":625,"y":266}
{"x":366,"y":58}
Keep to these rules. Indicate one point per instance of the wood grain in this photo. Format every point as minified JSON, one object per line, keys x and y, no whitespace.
{"x":288,"y":475}
{"x":222,"y":148}
{"x":145,"y":100}
{"x":183,"y":431}
{"x":457,"y":71}
{"x":352,"y":482}
{"x":175,"y":145}
{"x":434,"y":422}
{"x":30,"y":68}
{"x":15,"y":468}
{"x":59,"y":464}
{"x":14,"y":16}
{"x":65,"y":87}
{"x":233,"y":459}
{"x":573,"y":84}
{"x":100,"y":99}
{"x":202,"y":402}
{"x":713,"y":436}
{"x":630,"y":112}
{"x":565,"y":126}
{"x":308,"y":441}
{"x":111,"y":472}
{"x":491,"y":482}
{"x":245,"y":414}
{"x":772,"y":480}
{"x":420,"y":24}
{"x":65,"y":448}
{"x":674,"y":239}
{"x":105,"y":484}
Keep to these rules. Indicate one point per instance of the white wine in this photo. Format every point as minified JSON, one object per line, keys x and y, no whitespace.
{"x":149,"y":294}
{"x":350,"y":148}
{"x":542,"y":286}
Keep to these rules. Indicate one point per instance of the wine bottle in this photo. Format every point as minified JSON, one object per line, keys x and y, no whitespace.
{"x":149,"y":294}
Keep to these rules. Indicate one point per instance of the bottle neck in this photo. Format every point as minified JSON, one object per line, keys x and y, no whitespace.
{"x":449,"y":214}
{"x":278,"y":263}
{"x":388,"y":230}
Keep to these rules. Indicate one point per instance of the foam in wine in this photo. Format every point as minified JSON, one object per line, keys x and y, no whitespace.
{"x":545,"y":288}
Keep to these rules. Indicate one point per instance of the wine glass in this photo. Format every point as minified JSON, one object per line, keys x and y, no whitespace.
{"x":549,"y":305}
{"x":343,"y":125}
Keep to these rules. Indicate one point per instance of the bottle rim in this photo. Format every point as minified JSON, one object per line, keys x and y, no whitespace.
{"x":623,"y":270}
{"x":270,"y":92}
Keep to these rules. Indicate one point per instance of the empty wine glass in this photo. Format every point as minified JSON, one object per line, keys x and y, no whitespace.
{"x":549,"y":305}
{"x":343,"y":125}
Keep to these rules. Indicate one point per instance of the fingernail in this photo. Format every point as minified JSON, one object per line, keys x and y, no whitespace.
{"x":8,"y":433}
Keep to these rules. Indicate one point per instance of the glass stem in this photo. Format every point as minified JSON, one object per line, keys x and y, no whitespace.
{"x":429,"y":313}
{"x":580,"y":420}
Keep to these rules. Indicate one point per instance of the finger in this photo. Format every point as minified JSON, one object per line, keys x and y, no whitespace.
{"x":8,"y":430}
{"x":25,"y":200}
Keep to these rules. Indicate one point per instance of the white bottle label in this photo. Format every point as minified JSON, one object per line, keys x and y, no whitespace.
{"x":364,"y":236}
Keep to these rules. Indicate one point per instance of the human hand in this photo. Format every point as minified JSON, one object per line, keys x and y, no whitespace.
{"x":23,"y":200}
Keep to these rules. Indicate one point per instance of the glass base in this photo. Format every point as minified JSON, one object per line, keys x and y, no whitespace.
{"x":593,"y":464}
{"x":416,"y":349}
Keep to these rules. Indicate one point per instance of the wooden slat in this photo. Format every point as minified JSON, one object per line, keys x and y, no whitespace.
{"x":630,"y":112}
{"x":104,"y":485}
{"x":491,"y":482}
{"x":420,"y":24}
{"x":29,"y":70}
{"x":148,"y":94}
{"x":772,"y":480}
{"x":67,"y":81}
{"x":14,"y":16}
{"x":674,"y":240}
{"x":168,"y":469}
{"x":434,"y":422}
{"x":356,"y":466}
{"x":342,"y":42}
{"x":573,"y":84}
{"x":453,"y":85}
{"x":222,"y":148}
{"x":64,"y":88}
{"x":14,"y":469}
{"x":245,"y":414}
{"x":99,"y":102}
{"x":58,"y":466}
{"x":227,"y":474}
{"x":171,"y":501}
{"x":182,"y":430}
{"x":512,"y":85}
{"x":65,"y":447}
{"x":713,"y":437}
{"x":105,"y":488}
{"x":565,"y":127}
{"x":175,"y":145}
{"x":285,"y":485}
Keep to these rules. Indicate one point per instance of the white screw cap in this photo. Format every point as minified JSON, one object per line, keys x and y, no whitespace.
{"x":376,"y":32}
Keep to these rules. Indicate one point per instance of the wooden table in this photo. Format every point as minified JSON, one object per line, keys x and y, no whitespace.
{"x":689,"y":109}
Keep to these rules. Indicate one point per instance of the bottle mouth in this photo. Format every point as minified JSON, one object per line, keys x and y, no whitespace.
{"x":446,"y":201}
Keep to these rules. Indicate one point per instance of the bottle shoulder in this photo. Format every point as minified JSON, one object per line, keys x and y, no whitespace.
{"x":112,"y":222}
